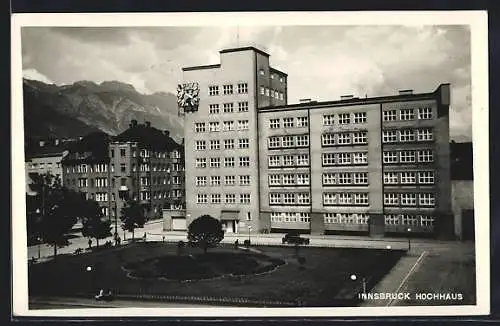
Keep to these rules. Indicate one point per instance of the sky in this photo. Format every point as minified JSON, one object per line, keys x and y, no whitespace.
{"x":322,"y":62}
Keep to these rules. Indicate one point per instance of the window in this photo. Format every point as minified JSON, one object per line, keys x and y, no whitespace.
{"x":288,"y":179}
{"x":391,"y":199}
{"x":82,"y":183}
{"x":426,"y":200}
{"x":344,"y":138}
{"x":101,"y":182}
{"x":390,"y":157}
{"x":329,"y":198}
{"x":262,"y":92}
{"x":329,"y":179}
{"x":303,"y":198}
{"x":274,"y":198}
{"x":262,"y":72}
{"x":229,"y":180}
{"x":214,"y":144}
{"x":215,"y":162}
{"x":242,"y":124}
{"x":214,"y":108}
{"x":304,"y":218}
{"x":267,"y":91}
{"x":215,"y":180}
{"x":272,"y":93}
{"x":202,"y":198}
{"x":215,"y":198}
{"x":201,"y":145}
{"x":302,"y":160}
{"x":424,"y":113}
{"x":408,"y":199}
{"x":228,"y":126}
{"x":406,"y":114}
{"x":344,"y":199}
{"x":330,"y":218}
{"x":407,"y":156}
{"x":359,"y":138}
{"x":303,"y":179}
{"x":288,"y":141}
{"x":360,"y":178}
{"x":424,"y":134}
{"x":228,"y":143}
{"x":201,"y":181}
{"x":328,"y":119}
{"x":144,"y":181}
{"x":390,"y":178}
{"x":302,"y":121}
{"x":201,"y":162}
{"x":303,"y":141}
{"x":244,"y":161}
{"x":228,"y":107}
{"x":426,"y":177}
{"x":343,"y":158}
{"x":274,"y":123}
{"x":227,"y":89}
{"x":406,"y":135}
{"x":287,"y":122}
{"x":329,"y":159}
{"x":123,"y":167}
{"x":360,"y":199}
{"x":281,"y":96}
{"x":426,"y":220}
{"x":274,"y":179}
{"x":360,"y":117}
{"x":328,"y":139}
{"x":389,"y":115}
{"x":391,"y":219}
{"x":101,"y":196}
{"x":408,"y":178}
{"x":199,"y":127}
{"x":288,"y":160}
{"x":425,"y":155}
{"x":242,"y":88}
{"x":389,"y":136}
{"x":244,"y":180}
{"x":214,"y":126}
{"x":243,"y":143}
{"x":213,"y":90}
{"x":244,"y":198}
{"x":274,"y":161}
{"x":229,"y":162}
{"x":344,"y":118}
{"x":360,"y":158}
{"x":344,"y":178}
{"x":274,"y":142}
{"x":288,"y":198}
{"x":242,"y":107}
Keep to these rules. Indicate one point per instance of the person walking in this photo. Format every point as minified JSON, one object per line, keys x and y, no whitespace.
{"x":90,"y":243}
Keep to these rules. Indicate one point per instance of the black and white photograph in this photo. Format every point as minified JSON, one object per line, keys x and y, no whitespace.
{"x":217,"y":165}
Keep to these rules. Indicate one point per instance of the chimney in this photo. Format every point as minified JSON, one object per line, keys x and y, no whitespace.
{"x":166,"y":132}
{"x":147,"y":123}
{"x":406,"y":92}
{"x":133,"y":123}
{"x":304,"y":100}
{"x":346,"y":97}
{"x":42,"y":143}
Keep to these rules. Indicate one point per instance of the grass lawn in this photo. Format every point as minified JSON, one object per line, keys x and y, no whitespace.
{"x":274,"y":275}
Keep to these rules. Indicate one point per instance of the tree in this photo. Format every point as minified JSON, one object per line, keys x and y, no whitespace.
{"x":132,"y":216}
{"x":58,"y":209}
{"x":205,"y":232}
{"x":94,"y":226}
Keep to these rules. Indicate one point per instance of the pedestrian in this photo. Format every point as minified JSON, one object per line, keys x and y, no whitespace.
{"x":163,"y":239}
{"x":236,"y":243}
{"x":118,"y":240}
{"x":90,"y":243}
{"x":144,"y":236}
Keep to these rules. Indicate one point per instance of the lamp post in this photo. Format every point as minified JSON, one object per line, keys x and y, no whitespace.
{"x":90,"y":278}
{"x":363,"y":282}
{"x":409,"y":240}
{"x":249,"y":229}
{"x":38,"y":239}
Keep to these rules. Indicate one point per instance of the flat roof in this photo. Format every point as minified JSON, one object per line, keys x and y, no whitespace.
{"x":201,"y":67}
{"x":245,"y":48}
{"x":278,"y":71}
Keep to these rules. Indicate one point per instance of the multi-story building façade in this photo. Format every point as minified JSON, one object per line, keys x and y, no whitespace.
{"x":372,"y":165}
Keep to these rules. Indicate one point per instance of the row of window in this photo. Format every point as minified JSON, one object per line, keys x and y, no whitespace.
{"x":147,"y":153}
{"x":345,"y":178}
{"x":344,"y":138}
{"x":407,"y":135}
{"x":42,"y":165}
{"x":215,"y":144}
{"x":408,"y":156}
{"x":143,"y":167}
{"x":344,"y":118}
{"x":228,"y":107}
{"x":262,"y":72}
{"x":228,"y":89}
{"x":290,"y":217}
{"x":345,"y":199}
{"x":228,"y":162}
{"x":409,"y":177}
{"x":145,"y":181}
{"x":243,"y":198}
{"x":298,"y":198}
{"x":410,"y":220}
{"x":409,"y":199}
{"x":215,"y":180}
{"x":297,"y":160}
{"x":215,"y":126}
{"x":345,"y":158}
{"x":275,"y":142}
{"x":272,"y":93}
{"x":422,"y":113}
{"x":289,"y":179}
{"x":345,"y":218}
{"x":289,"y":122}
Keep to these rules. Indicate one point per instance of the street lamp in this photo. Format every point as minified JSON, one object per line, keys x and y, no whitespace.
{"x":388,"y":247}
{"x":363,"y":281}
{"x":249,"y":229}
{"x":38,"y":239}
{"x":409,"y":240}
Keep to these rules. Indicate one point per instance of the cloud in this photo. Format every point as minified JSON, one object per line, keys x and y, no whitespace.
{"x":323,"y":62}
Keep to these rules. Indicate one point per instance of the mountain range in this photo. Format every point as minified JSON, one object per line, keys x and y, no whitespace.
{"x":67,"y":111}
